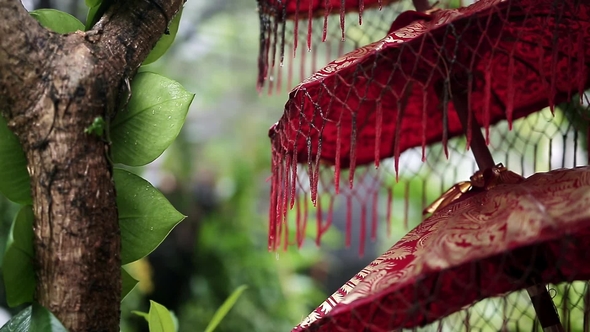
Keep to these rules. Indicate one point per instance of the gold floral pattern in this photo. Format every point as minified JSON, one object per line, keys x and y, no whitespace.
{"x":470,"y":235}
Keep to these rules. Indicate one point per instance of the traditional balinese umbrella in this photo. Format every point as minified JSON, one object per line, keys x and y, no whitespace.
{"x":274,"y":30}
{"x":485,"y":244}
{"x":425,"y":83}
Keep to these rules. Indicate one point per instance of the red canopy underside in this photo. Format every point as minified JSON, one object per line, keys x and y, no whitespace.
{"x":510,"y":57}
{"x":482,"y":246}
{"x":504,"y":59}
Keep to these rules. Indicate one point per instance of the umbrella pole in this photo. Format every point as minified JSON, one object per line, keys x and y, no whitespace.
{"x":542,"y":302}
{"x":421,"y":5}
{"x":545,"y":309}
{"x":482,"y":154}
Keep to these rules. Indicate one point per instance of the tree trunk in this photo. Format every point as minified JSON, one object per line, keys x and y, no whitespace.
{"x":52,"y":87}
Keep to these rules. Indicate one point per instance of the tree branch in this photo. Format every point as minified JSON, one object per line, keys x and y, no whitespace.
{"x":22,"y":54}
{"x":129,"y":26}
{"x":51,"y":88}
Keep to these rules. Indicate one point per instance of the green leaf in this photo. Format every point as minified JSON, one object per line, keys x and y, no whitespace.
{"x":92,"y":3}
{"x":128,"y":283}
{"x":140,"y":314}
{"x":17,"y":268}
{"x":20,"y":322}
{"x":93,"y":12}
{"x":145,"y":215}
{"x":225,"y":308}
{"x":57,"y":21}
{"x":165,"y":41}
{"x":155,"y":114}
{"x":42,"y":320}
{"x":15,"y":182}
{"x":96,"y":9}
{"x":97,"y":127}
{"x":34,"y":318}
{"x":160,"y":319}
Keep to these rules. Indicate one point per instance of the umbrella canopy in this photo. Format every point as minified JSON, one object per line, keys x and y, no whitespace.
{"x":483,"y":245}
{"x":496,"y":59}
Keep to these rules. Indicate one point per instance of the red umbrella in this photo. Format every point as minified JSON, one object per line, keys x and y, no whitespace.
{"x":491,"y":61}
{"x":274,"y":15}
{"x":485,"y":244}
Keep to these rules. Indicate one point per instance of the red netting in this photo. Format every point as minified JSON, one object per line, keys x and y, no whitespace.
{"x":510,"y":312}
{"x":498,"y":59}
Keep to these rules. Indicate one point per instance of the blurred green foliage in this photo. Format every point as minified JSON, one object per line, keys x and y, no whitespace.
{"x":215,"y":173}
{"x":219,"y":165}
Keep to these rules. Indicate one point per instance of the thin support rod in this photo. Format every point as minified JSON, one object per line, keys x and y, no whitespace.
{"x":542,"y":302}
{"x":480,"y":150}
{"x":545,"y":309}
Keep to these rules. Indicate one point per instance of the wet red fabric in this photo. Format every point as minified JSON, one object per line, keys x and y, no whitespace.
{"x":482,"y":246}
{"x":508,"y":58}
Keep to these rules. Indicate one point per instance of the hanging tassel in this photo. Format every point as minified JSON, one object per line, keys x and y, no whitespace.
{"x":296,"y":30}
{"x":337,"y":161}
{"x":363,"y":231}
{"x":327,"y":10}
{"x":424,"y":120}
{"x":582,"y":69}
{"x":263,"y":45}
{"x":487,"y":99}
{"x":272,"y":213}
{"x":389,"y":209}
{"x":469,"y":133}
{"x":361,"y":9}
{"x":378,"y":131}
{"x":510,"y":91}
{"x":374,"y":214}
{"x":348,"y":220}
{"x":309,"y":24}
{"x":445,"y":118}
{"x":353,"y":138}
{"x":342,"y":15}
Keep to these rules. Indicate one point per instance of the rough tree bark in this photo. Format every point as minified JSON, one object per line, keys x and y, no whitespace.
{"x":51,"y":88}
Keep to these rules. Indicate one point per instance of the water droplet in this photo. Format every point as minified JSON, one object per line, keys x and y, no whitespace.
{"x":277,"y":256}
{"x":151,"y":228}
{"x":153,"y":111}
